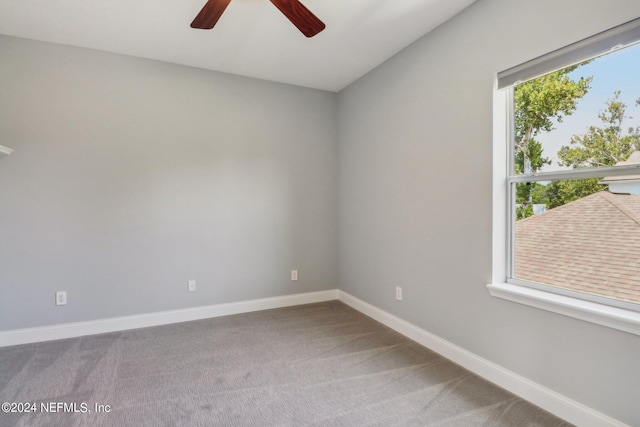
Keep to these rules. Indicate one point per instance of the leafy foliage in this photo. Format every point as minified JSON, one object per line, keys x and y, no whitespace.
{"x":531,"y":193}
{"x":537,"y":104}
{"x":533,"y":153}
{"x":605,"y":145}
{"x":544,"y":101}
{"x":562,"y":192}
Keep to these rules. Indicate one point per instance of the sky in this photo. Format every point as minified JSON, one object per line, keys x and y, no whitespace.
{"x":619,"y":70}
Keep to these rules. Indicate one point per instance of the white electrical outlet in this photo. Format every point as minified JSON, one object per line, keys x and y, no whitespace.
{"x":61,"y":297}
{"x":192,"y":285}
{"x":398,"y":293}
{"x":294,"y":275}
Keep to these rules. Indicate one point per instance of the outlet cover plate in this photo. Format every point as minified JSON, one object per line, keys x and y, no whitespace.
{"x":61,"y":297}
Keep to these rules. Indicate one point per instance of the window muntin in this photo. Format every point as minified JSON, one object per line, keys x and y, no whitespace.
{"x":585,"y":246}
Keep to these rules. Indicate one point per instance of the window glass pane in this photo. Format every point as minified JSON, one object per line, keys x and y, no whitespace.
{"x":584,"y":116}
{"x":579,"y":234}
{"x":589,"y":244}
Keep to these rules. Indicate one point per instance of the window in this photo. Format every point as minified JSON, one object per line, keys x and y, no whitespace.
{"x":567,"y":171}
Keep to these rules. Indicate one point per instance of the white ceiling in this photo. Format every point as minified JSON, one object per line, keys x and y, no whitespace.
{"x":251,"y":39}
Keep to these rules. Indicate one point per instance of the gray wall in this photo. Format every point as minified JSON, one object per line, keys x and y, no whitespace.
{"x":131,"y":177}
{"x":415,"y":198}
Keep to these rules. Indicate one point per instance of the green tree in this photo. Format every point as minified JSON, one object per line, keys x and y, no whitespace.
{"x":538,"y":104}
{"x":528,"y":193}
{"x":603,"y":145}
{"x":562,"y":192}
{"x":600,"y":146}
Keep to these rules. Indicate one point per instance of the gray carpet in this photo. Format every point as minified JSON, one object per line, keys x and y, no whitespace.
{"x":313,"y":365}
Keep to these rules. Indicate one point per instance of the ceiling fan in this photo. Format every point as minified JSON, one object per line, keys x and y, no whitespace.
{"x":295,"y":11}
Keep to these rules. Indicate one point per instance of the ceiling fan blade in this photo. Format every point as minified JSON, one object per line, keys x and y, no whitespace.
{"x":210,"y":13}
{"x":300,"y":16}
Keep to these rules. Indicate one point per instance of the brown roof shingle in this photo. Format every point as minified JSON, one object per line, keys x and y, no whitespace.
{"x":591,"y":245}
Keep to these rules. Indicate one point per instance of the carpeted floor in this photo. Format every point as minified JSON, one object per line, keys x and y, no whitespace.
{"x":313,"y":365}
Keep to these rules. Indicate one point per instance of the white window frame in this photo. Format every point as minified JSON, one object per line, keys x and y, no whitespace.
{"x":598,"y":310}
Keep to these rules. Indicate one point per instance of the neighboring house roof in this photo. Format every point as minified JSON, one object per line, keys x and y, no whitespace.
{"x":633,"y":159}
{"x":591,"y":245}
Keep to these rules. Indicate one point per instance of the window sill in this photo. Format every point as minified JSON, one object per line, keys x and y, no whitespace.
{"x":612,"y":317}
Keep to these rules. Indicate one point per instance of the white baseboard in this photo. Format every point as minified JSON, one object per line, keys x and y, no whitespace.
{"x":547,"y":399}
{"x":555,"y":403}
{"x":71,"y":330}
